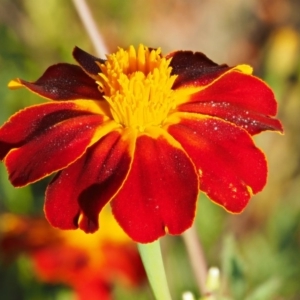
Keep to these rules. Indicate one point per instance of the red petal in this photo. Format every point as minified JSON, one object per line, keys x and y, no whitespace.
{"x":88,"y":184}
{"x":88,"y":62}
{"x":230,"y":166}
{"x":238,"y":98}
{"x":16,"y":131}
{"x":48,"y":137}
{"x":160,"y":192}
{"x":194,"y":68}
{"x":62,"y":82}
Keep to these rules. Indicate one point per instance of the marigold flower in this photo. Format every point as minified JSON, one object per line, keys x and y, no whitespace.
{"x":143,"y":132}
{"x":89,"y":264}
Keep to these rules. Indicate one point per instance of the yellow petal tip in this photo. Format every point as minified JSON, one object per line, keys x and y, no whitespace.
{"x":15,"y":84}
{"x":246,"y":69}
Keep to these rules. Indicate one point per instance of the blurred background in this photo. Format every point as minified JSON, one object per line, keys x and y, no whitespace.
{"x":258,"y":252}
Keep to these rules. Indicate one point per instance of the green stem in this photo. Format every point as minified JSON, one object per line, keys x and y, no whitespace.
{"x":153,"y":263}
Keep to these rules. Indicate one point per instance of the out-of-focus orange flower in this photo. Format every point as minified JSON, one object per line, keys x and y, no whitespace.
{"x":89,"y":264}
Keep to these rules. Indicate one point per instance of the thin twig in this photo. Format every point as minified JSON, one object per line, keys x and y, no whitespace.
{"x":91,"y":27}
{"x":197,"y":257}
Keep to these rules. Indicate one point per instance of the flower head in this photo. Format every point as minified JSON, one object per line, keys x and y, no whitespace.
{"x":143,"y":132}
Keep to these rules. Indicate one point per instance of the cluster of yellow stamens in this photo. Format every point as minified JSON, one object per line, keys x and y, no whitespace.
{"x":138,"y":86}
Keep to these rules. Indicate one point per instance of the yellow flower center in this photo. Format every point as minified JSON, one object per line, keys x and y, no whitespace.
{"x":138,"y":87}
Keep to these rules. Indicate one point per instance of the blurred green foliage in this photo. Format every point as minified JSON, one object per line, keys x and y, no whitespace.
{"x":258,"y":252}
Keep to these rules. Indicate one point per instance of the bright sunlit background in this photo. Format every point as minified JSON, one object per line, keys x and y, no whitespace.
{"x":258,"y":252}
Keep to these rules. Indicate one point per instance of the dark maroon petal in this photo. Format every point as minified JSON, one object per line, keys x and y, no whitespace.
{"x":194,"y":68}
{"x":88,"y":62}
{"x":62,"y":82}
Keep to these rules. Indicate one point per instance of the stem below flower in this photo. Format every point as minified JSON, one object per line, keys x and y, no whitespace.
{"x":153,"y":263}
